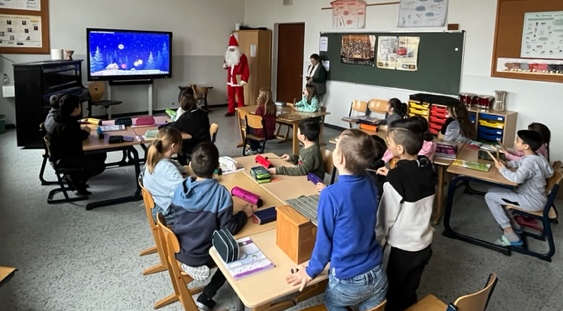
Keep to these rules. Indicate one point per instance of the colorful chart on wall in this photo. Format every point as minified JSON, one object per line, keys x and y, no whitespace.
{"x":31,"y":5}
{"x":422,"y":13}
{"x":20,"y":31}
{"x":349,"y":14}
{"x":358,"y":49}
{"x":542,"y":36}
{"x":407,"y":53}
{"x":387,"y":52}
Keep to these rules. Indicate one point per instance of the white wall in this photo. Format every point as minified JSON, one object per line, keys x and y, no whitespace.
{"x":534,"y":101}
{"x":201,"y":31}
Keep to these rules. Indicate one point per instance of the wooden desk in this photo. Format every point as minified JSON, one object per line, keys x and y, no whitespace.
{"x":142,"y":130}
{"x":94,"y":144}
{"x":290,"y":117}
{"x":465,"y":175}
{"x":6,"y":273}
{"x":288,"y":187}
{"x":158,"y":120}
{"x":259,"y":290}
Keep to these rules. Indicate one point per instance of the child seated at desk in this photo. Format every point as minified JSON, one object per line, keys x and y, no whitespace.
{"x":66,"y":140}
{"x":310,"y":101}
{"x":162,"y":174}
{"x":346,"y":231}
{"x":458,"y":127}
{"x":310,"y":159}
{"x":531,"y":173}
{"x":428,"y":145}
{"x":403,"y":218}
{"x":183,"y":93}
{"x":50,"y":119}
{"x":201,"y":206}
{"x":396,"y":110}
{"x":545,"y":133}
{"x":193,"y":121}
{"x":267,"y":109}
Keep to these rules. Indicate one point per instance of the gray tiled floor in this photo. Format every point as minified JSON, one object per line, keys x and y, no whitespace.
{"x":72,"y":259}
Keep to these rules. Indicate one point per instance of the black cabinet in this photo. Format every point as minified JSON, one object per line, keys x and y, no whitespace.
{"x":34,"y":84}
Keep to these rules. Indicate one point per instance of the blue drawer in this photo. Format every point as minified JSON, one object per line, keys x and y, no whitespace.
{"x":490,"y":131}
{"x":488,"y":137}
{"x":472,"y":117}
{"x":491,"y":117}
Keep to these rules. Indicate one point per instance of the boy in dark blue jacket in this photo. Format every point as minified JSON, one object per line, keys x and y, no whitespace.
{"x":346,"y":231}
{"x":201,"y":206}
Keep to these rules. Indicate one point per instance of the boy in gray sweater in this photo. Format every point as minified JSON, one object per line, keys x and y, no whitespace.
{"x":531,"y":173}
{"x":310,"y":159}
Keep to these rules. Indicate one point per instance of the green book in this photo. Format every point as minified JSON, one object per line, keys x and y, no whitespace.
{"x":151,"y":133}
{"x":171,"y":113}
{"x":483,"y":167}
{"x":261,"y":174}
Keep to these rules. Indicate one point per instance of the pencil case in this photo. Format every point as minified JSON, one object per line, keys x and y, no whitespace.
{"x":263,"y":161}
{"x":247,"y":196}
{"x":314,"y":178}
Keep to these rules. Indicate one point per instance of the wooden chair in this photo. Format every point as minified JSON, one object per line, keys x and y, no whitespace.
{"x":553,"y":185}
{"x":6,"y":273}
{"x":377,"y":106}
{"x":255,"y":122}
{"x":97,"y":90}
{"x":180,"y":280}
{"x":60,"y":173}
{"x":329,"y":166}
{"x":45,"y":159}
{"x":200,"y":94}
{"x":477,"y":301}
{"x":358,"y":107}
{"x":213,"y":129}
{"x":321,"y":126}
{"x":284,"y":138}
{"x":149,"y":205}
{"x":379,"y":307}
{"x":242,"y":125}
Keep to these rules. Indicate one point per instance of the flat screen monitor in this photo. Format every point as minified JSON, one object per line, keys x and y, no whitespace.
{"x":116,"y":54}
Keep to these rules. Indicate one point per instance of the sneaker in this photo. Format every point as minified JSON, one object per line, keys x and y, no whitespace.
{"x":198,"y":273}
{"x":503,"y":241}
{"x":204,"y":303}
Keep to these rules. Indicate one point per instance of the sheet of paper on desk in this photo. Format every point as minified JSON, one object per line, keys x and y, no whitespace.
{"x":251,"y":260}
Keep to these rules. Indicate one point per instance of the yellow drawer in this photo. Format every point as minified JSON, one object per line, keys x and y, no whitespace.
{"x":421,"y":112}
{"x":496,"y":125}
{"x":419,"y":105}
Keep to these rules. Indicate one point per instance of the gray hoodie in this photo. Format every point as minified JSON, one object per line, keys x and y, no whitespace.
{"x":531,"y":174}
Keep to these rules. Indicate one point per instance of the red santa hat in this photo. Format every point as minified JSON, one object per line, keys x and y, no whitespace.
{"x":233,"y":41}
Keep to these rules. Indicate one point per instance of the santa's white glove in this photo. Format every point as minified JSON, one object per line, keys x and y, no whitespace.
{"x":242,"y":82}
{"x":225,"y":66}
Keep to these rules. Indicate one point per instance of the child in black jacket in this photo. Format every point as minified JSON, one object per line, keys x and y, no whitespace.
{"x":193,"y":121}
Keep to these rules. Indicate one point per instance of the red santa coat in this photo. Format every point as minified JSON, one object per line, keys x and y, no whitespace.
{"x":240,"y":69}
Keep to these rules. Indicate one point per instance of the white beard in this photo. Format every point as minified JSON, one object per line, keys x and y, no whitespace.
{"x":232,"y":58}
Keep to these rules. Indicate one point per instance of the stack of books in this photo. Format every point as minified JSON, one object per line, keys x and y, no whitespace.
{"x":445,"y":149}
{"x":260,"y":174}
{"x":251,"y":260}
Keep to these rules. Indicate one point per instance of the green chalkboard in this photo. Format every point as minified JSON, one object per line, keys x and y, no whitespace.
{"x":440,"y":57}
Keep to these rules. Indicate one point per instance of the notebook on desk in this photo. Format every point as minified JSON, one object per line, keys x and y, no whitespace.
{"x":307,"y":206}
{"x":251,"y":260}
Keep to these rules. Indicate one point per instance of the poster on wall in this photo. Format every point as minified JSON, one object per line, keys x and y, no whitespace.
{"x":348,"y":14}
{"x":30,"y":5}
{"x":407,"y":53}
{"x":20,"y":31}
{"x":387,"y":52}
{"x":422,"y":13}
{"x":358,"y":50}
{"x":542,"y":36}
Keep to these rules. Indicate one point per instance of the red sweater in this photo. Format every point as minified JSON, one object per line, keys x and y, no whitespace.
{"x":269,"y":121}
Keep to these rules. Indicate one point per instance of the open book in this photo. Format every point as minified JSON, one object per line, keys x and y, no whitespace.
{"x":251,"y":260}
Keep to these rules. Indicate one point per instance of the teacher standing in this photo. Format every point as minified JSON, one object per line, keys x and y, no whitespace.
{"x":316,"y":75}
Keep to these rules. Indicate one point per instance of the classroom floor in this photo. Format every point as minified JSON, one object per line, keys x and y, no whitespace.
{"x":73,"y":259}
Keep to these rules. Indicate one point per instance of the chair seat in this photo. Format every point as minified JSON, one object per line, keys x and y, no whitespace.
{"x":106,"y":103}
{"x":428,"y":303}
{"x":552,"y":214}
{"x":254,"y":137}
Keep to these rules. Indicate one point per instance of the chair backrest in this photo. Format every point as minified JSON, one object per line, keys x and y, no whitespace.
{"x":329,"y":166}
{"x":213,"y":129}
{"x":377,"y":105}
{"x":148,"y":201}
{"x":199,"y":91}
{"x":96,"y":90}
{"x":255,"y":121}
{"x":553,"y":185}
{"x":358,"y":106}
{"x":179,"y":280}
{"x":47,"y":144}
{"x":478,"y":301}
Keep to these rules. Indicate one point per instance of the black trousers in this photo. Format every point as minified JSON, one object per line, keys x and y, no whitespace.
{"x":404,"y":270}
{"x":90,"y":165}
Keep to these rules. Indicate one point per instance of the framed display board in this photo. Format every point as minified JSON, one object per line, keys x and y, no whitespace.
{"x":529,"y":40}
{"x":24,"y":26}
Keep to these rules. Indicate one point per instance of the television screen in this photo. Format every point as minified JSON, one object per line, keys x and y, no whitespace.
{"x":115,"y":54}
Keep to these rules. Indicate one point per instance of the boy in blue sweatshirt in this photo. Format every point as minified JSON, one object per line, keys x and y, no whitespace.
{"x":201,"y":206}
{"x":346,"y":231}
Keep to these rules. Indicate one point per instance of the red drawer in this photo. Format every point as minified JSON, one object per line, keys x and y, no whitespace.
{"x":434,"y":126}
{"x":439,"y":114}
{"x":439,"y":108}
{"x":437,"y":119}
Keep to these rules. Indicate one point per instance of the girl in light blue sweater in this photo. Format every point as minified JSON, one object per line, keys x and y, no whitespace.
{"x":162,"y":174}
{"x":310,"y":101}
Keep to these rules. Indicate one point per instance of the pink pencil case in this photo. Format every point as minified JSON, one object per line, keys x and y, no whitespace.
{"x":247,"y":196}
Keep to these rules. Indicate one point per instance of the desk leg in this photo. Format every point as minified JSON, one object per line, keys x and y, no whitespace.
{"x":439,"y":195}
{"x":295,"y":143}
{"x":134,"y":197}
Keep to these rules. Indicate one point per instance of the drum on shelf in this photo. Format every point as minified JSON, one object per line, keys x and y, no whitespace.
{"x":485,"y":101}
{"x":468,"y":99}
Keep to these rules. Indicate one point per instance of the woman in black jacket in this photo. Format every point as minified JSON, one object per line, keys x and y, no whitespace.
{"x":66,"y":145}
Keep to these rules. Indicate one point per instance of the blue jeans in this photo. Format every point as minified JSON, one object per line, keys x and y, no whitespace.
{"x":169,"y":216}
{"x":364,"y":291}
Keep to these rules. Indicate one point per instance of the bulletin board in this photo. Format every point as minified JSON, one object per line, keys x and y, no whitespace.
{"x":529,"y":40}
{"x":24,"y":26}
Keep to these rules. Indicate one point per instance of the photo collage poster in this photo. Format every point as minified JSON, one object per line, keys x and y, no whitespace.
{"x":20,"y":31}
{"x":358,"y":49}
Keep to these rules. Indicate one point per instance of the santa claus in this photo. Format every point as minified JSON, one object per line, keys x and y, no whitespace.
{"x":236,"y":64}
